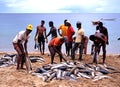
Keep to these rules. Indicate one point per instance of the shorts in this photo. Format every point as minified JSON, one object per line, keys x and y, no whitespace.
{"x":41,"y":39}
{"x":18,"y":49}
{"x":70,"y":44}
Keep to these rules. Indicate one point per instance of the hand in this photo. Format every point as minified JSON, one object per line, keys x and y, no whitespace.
{"x":46,"y":40}
{"x":107,"y":43}
{"x":35,"y":39}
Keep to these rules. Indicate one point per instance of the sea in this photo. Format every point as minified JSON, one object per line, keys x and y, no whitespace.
{"x":12,"y":23}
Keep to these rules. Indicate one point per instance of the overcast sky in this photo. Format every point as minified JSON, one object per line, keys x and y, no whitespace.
{"x":59,"y":6}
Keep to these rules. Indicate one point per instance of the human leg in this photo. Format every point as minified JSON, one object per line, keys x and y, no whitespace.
{"x":43,"y":47}
{"x":19,"y":57}
{"x":52,"y":52}
{"x":69,"y":48}
{"x":80,"y":52}
{"x":66,"y":47}
{"x":73,"y":51}
{"x":104,"y":52}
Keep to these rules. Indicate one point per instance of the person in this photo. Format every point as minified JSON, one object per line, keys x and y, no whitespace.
{"x":98,"y":39}
{"x":20,"y":45}
{"x":70,"y":33}
{"x":104,"y":31}
{"x":53,"y":30}
{"x":93,"y":45}
{"x":78,"y":42}
{"x":85,"y":43}
{"x":55,"y":47}
{"x":40,"y":36}
{"x":62,"y":31}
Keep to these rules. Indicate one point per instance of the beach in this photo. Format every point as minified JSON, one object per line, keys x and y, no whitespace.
{"x":10,"y":77}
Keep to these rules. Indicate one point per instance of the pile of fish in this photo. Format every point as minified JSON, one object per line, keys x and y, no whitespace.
{"x":11,"y":59}
{"x":7,"y":60}
{"x":73,"y":71}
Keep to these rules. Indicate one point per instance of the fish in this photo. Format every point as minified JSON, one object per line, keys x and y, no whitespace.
{"x":36,"y":59}
{"x":59,"y":74}
{"x":73,"y":71}
{"x":28,"y":64}
{"x":53,"y":75}
{"x":100,"y":77}
{"x":84,"y":75}
{"x":73,"y":77}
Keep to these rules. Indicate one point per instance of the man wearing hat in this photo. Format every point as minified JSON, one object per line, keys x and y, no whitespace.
{"x":20,"y":45}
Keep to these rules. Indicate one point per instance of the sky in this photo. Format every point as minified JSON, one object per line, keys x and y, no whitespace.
{"x":59,"y":6}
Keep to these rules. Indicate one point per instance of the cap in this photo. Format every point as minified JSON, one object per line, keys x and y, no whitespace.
{"x":29,"y":27}
{"x":67,"y":21}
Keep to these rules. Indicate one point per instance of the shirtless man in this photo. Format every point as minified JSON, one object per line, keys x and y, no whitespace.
{"x":53,"y":30}
{"x":41,"y":34}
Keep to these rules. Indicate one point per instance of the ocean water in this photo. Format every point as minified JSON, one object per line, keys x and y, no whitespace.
{"x":12,"y":23}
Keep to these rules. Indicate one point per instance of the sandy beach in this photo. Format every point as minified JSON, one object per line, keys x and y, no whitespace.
{"x":10,"y":77}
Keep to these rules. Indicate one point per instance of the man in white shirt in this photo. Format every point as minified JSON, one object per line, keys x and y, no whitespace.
{"x":20,"y":45}
{"x":78,"y":42}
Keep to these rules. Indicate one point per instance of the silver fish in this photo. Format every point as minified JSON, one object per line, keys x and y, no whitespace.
{"x":59,"y":74}
{"x":84,"y":75}
{"x":53,"y":75}
{"x":100,"y":77}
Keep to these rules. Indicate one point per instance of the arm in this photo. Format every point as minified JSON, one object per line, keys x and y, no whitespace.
{"x":107,"y":37}
{"x":45,"y":36}
{"x":48,"y":33}
{"x":25,"y":47}
{"x":59,"y":32}
{"x":36,"y":34}
{"x":82,"y":41}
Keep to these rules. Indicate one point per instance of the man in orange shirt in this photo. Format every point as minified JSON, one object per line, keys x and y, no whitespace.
{"x":55,"y":47}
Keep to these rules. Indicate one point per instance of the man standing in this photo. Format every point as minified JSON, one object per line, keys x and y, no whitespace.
{"x":70,"y":33}
{"x":41,"y":36}
{"x":104,"y":31}
{"x":20,"y":45}
{"x":62,"y":30}
{"x":55,"y":47}
{"x":78,"y":42}
{"x":53,"y":30}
